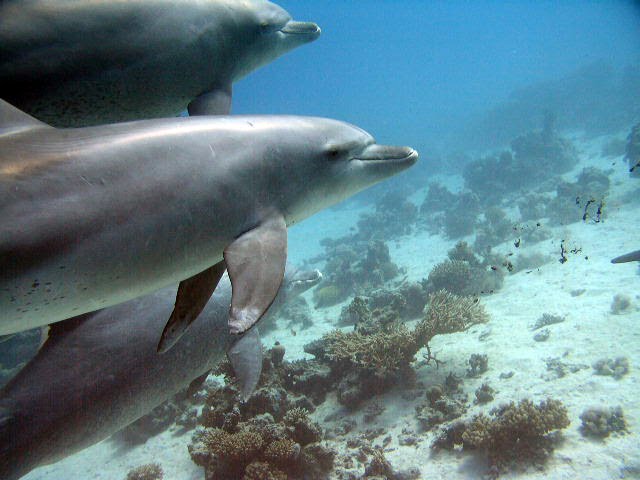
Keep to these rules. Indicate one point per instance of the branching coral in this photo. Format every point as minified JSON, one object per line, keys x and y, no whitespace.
{"x":383,"y":352}
{"x":601,"y":422}
{"x":263,"y":471}
{"x":516,"y":435}
{"x":464,"y":274}
{"x":452,"y":275}
{"x":372,"y":360}
{"x":152,"y":471}
{"x":449,"y":313}
{"x":300,"y":427}
{"x":232,"y":447}
{"x":259,"y":449}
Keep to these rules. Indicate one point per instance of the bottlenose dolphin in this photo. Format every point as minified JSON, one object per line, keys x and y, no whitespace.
{"x":79,"y":63}
{"x":101,"y":372}
{"x":628,"y":257}
{"x":96,"y":216}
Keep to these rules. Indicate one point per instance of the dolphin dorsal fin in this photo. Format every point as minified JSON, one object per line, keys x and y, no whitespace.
{"x":13,"y":120}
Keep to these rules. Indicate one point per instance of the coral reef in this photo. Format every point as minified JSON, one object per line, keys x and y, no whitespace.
{"x":403,"y":303}
{"x":583,"y":200}
{"x":379,"y":467}
{"x":544,"y":151}
{"x":620,"y":304}
{"x":495,"y":229}
{"x":152,"y":471}
{"x":348,"y":271}
{"x":382,"y":353}
{"x":547,"y":319}
{"x":295,"y":311}
{"x":514,"y":436}
{"x":542,"y":336}
{"x":602,"y":422}
{"x":448,"y":313}
{"x":444,"y":403}
{"x":371,"y":360}
{"x":533,"y":158}
{"x":559,"y":369}
{"x":394,"y":216}
{"x":484,"y":394}
{"x":478,"y":364}
{"x":632,"y":152}
{"x":532,"y":206}
{"x":356,"y":312}
{"x":261,"y":448}
{"x":463,"y":273}
{"x":616,"y":368}
{"x":530,"y":261}
{"x":615,"y":147}
{"x":438,"y":199}
{"x":461,"y":217}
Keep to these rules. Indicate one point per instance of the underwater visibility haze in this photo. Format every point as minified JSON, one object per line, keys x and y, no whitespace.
{"x":475,"y":316}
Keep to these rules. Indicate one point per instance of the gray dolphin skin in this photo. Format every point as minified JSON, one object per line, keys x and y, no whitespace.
{"x":101,"y":372}
{"x":96,"y":216}
{"x":628,"y":257}
{"x":79,"y":63}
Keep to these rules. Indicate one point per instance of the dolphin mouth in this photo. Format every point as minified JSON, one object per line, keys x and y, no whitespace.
{"x":388,"y":154}
{"x":301,"y":28}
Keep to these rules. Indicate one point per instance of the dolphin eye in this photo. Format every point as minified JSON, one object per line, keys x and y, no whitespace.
{"x":334,"y":152}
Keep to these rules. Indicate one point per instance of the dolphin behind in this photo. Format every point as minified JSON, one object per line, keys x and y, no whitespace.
{"x":96,"y":216}
{"x":75,"y":63}
{"x":100,"y":372}
{"x":628,"y":257}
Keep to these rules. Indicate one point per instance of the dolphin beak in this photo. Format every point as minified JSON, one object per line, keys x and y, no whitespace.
{"x":377,"y":154}
{"x":310,"y":29}
{"x":304,"y":280}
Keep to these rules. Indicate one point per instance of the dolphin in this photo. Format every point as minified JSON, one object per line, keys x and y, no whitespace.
{"x":79,"y":63}
{"x":101,"y":372}
{"x":628,"y":257}
{"x":96,"y":216}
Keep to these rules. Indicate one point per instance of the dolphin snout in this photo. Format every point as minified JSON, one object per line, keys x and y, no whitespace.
{"x":388,"y":153}
{"x":301,"y":28}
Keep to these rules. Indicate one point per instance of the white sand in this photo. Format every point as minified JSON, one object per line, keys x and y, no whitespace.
{"x":590,"y":332}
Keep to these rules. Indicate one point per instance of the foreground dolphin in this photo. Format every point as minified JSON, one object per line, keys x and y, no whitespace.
{"x":103,"y":373}
{"x":77,"y":63}
{"x":96,"y":216}
{"x":628,"y":257}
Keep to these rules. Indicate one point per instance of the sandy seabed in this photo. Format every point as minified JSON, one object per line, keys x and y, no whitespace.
{"x":590,"y":332}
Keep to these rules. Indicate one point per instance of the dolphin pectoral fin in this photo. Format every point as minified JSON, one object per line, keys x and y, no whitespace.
{"x":12,"y":118}
{"x":246,"y":359}
{"x":193,"y":295}
{"x":629,"y":257}
{"x":256,"y":261}
{"x":214,"y":102}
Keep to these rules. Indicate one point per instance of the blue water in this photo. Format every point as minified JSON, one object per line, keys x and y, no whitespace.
{"x":415,"y":70}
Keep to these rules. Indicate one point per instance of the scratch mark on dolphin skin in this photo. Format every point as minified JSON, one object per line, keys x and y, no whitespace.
{"x":213,"y":152}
